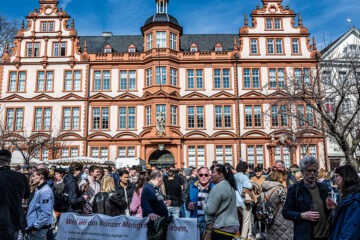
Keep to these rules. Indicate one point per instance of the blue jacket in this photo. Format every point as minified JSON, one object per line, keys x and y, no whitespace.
{"x":347,"y":219}
{"x":152,"y":201}
{"x":193,"y":196}
{"x":41,"y":207}
{"x":298,"y":200}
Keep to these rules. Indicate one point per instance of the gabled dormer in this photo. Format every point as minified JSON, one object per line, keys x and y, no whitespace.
{"x":162,"y":30}
{"x":108,"y":49}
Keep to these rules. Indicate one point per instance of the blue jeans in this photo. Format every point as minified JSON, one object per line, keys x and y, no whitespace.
{"x":174,"y":211}
{"x":201,"y":223}
{"x":38,"y":235}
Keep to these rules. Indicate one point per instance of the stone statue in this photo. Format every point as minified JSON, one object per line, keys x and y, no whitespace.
{"x":160,"y":124}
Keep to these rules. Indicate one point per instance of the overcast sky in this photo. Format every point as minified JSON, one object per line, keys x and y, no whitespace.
{"x":326,"y":19}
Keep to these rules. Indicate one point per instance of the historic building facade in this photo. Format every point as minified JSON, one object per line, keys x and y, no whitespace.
{"x":163,"y":96}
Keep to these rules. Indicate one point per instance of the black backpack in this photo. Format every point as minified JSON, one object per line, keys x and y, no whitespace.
{"x":61,"y":202}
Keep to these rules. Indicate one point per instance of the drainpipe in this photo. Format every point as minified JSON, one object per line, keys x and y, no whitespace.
{"x":238,"y":101}
{"x":88,"y":108}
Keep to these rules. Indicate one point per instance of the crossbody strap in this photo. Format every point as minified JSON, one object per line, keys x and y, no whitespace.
{"x":268,"y":198}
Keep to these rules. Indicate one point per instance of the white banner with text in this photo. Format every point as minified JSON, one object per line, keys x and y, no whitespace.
{"x":101,"y":227}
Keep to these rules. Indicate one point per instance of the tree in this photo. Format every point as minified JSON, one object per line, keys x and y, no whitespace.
{"x":8,"y":30}
{"x":327,"y":98}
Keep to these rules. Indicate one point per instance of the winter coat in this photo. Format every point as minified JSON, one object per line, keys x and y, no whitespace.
{"x":221,"y":206}
{"x":109,"y":203}
{"x":129,"y":192}
{"x":298,"y":200}
{"x":347,"y":218}
{"x":75,"y":198}
{"x":193,"y":197}
{"x":41,"y":208}
{"x":13,"y":188}
{"x":280,"y":228}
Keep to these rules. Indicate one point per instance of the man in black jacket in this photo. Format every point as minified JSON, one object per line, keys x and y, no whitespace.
{"x":13,"y":188}
{"x":76,"y":198}
{"x":306,"y":204}
{"x":173,"y":193}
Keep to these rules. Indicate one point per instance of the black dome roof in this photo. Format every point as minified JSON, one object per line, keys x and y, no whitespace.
{"x":161,"y":17}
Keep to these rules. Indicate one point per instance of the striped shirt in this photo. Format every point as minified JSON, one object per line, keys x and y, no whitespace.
{"x":202,"y":197}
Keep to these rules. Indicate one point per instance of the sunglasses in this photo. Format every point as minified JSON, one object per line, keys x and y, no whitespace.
{"x":203,"y":175}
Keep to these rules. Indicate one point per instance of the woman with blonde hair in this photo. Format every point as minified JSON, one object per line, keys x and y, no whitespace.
{"x":275,"y":193}
{"x":108,"y":201}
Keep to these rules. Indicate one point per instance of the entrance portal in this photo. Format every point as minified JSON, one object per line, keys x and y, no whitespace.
{"x":162,"y":159}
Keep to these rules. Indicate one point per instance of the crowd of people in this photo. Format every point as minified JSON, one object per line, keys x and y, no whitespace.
{"x":303,"y":202}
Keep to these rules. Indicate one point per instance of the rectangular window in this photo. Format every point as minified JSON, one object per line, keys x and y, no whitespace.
{"x":59,"y":49}
{"x":346,"y":106}
{"x":277,"y":77}
{"x":251,"y":156}
{"x":127,"y":80}
{"x":47,"y":27}
{"x":43,"y":26}
{"x":95,"y":152}
{"x":301,"y":115}
{"x":161,"y":109}
{"x":72,"y":80}
{"x":224,"y":154}
{"x":122,"y":152}
{"x":65,"y":152}
{"x":161,"y":39}
{"x":269,"y":23}
{"x":282,"y":153}
{"x":173,"y":115}
{"x":279,"y":46}
{"x":102,"y":81}
{"x":149,"y":41}
{"x":254,"y":46}
{"x":148,"y":115}
{"x":74,"y":151}
{"x":221,"y":78}
{"x":127,"y":117}
{"x":42,"y":119}
{"x":17,"y":81}
{"x":191,"y":156}
{"x":14,"y":119}
{"x":253,"y":116}
{"x":32,"y":49}
{"x":71,"y":118}
{"x":199,"y":79}
{"x":277,"y":114}
{"x":100,"y":118}
{"x":308,"y":150}
{"x":173,"y":77}
{"x":251,"y":78}
{"x":306,"y":72}
{"x":298,"y":78}
{"x":148,"y":77}
{"x":309,"y":116}
{"x":270,"y":46}
{"x":277,"y":23}
{"x":295,"y":46}
{"x":173,"y":42}
{"x":160,"y":75}
{"x":190,"y":79}
{"x":45,"y":81}
{"x":223,"y":117}
{"x":195,"y":117}
{"x":131,"y":152}
{"x":200,"y":156}
{"x":284,"y":116}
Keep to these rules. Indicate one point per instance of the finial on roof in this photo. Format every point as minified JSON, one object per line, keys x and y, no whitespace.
{"x":235,"y":46}
{"x":22,"y":25}
{"x":72,"y":24}
{"x":314,"y":44}
{"x":257,"y":7}
{"x":35,"y":10}
{"x":85,"y":46}
{"x":6,"y":47}
{"x":300,"y":21}
{"x":246,"y":20}
{"x":287,"y":7}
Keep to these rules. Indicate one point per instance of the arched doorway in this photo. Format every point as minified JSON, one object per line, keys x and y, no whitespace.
{"x":162,"y":158}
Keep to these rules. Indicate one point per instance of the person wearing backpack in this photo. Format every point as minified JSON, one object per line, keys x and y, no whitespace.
{"x":274,"y":193}
{"x":74,"y":196}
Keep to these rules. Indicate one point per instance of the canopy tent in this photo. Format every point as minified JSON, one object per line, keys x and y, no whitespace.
{"x":82,"y":160}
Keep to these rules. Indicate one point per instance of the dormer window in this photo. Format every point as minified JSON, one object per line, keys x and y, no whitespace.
{"x":193,"y":47}
{"x":273,"y":24}
{"x":131,"y":48}
{"x":47,"y":26}
{"x":218,"y":47}
{"x":107,"y":49}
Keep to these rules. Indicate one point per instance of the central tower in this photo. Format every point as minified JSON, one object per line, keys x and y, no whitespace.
{"x":161,"y":6}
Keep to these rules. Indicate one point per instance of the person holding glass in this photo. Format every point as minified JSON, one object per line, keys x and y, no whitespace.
{"x":347,"y":214}
{"x":305,"y":204}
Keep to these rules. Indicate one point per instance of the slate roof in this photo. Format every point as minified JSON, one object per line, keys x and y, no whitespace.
{"x":161,"y":17}
{"x":205,"y":42}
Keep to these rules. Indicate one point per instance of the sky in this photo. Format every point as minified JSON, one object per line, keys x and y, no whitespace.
{"x":325,"y":19}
